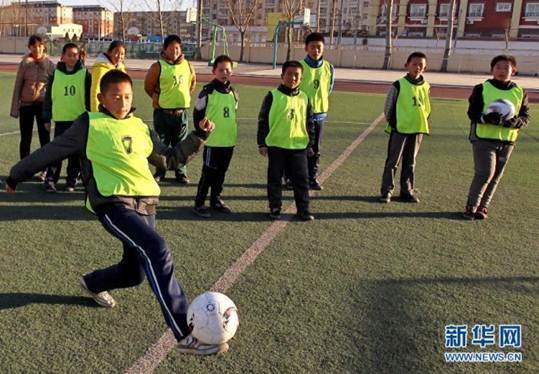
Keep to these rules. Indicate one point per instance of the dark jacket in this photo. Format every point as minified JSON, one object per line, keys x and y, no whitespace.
{"x":47,"y":103}
{"x":476,"y":105}
{"x":263,"y":116}
{"x":202,"y":101}
{"x":73,"y":142}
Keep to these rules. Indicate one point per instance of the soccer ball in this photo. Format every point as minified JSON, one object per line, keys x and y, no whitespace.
{"x":504,"y":107}
{"x":213,"y":318}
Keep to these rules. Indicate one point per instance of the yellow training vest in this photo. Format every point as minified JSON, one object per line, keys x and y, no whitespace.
{"x":68,"y":95}
{"x":413,"y":108}
{"x":119,"y":151}
{"x":316,"y":83}
{"x":498,"y":132}
{"x":288,"y":121}
{"x":221,"y":110}
{"x":174,"y":85}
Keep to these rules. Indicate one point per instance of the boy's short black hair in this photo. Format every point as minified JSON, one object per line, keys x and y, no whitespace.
{"x":69,"y":46}
{"x":113,"y":77}
{"x":221,"y":58}
{"x":314,"y":37}
{"x":35,"y":39}
{"x":291,"y":64}
{"x":170,"y":39}
{"x":416,"y":55}
{"x":509,"y":58}
{"x":116,"y":44}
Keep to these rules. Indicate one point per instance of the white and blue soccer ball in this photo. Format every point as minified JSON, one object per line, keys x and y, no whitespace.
{"x":213,"y":318}
{"x":503,"y":106}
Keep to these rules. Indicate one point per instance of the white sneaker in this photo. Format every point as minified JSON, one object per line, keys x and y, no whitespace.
{"x":102,"y":298}
{"x":191,"y":345}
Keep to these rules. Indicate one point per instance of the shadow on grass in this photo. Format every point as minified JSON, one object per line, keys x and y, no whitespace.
{"x":370,"y":215}
{"x":48,"y":212}
{"x":13,"y":300}
{"x":400,"y":335}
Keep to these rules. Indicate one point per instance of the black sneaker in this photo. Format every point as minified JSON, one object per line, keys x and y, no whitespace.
{"x":70,"y":187}
{"x":181,"y":178}
{"x":304,"y":216}
{"x":481,"y":213}
{"x":469,"y":213}
{"x":159,"y":175}
{"x":315,"y":185}
{"x":275,"y":214}
{"x":385,"y":198}
{"x":220,"y":206}
{"x":288,"y":185}
{"x":49,"y":186}
{"x":202,"y":211}
{"x":409,"y":198}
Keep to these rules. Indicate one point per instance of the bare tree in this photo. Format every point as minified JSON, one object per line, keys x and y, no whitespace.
{"x":291,"y":9}
{"x":449,"y":35}
{"x":333,"y":18}
{"x":119,"y":6}
{"x":318,"y":15}
{"x":242,"y":12}
{"x":389,"y":32}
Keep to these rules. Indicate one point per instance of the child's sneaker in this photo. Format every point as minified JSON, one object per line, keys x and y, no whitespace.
{"x":102,"y":298}
{"x":49,"y":186}
{"x":315,"y":185}
{"x":202,"y":211}
{"x":385,"y":198}
{"x":409,"y":198}
{"x":469,"y":213}
{"x":305,"y":216}
{"x":220,"y":206}
{"x":481,"y":213}
{"x":275,"y":214}
{"x":181,"y":178}
{"x":191,"y":345}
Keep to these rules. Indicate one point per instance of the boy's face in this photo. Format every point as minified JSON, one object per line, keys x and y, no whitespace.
{"x":70,"y":57}
{"x":173,"y":51}
{"x":416,"y":66}
{"x":292,"y":77}
{"x":315,"y":50}
{"x":117,"y":99}
{"x":117,"y":55}
{"x":223,"y":71}
{"x":503,"y":70}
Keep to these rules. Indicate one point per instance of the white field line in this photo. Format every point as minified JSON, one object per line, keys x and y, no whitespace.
{"x":160,"y":349}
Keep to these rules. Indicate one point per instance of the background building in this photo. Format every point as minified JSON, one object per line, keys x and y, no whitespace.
{"x":146,"y":23}
{"x":96,"y":21}
{"x":489,"y":19}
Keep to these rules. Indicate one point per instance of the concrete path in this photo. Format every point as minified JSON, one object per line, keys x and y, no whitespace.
{"x":354,"y":75}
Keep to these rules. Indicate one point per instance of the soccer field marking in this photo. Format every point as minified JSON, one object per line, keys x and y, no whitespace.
{"x":166,"y":343}
{"x":10,"y":133}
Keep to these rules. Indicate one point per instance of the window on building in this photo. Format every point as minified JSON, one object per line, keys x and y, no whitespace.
{"x":503,"y":7}
{"x":418,"y":10}
{"x":532,"y":10}
{"x":444,"y":10}
{"x":476,"y":10}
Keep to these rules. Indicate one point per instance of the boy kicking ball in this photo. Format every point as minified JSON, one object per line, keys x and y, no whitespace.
{"x":116,"y":148}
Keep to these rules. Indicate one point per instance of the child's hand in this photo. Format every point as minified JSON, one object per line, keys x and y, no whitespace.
{"x":263,"y":151}
{"x":47,"y":126}
{"x":494,"y":118}
{"x":206,"y":125}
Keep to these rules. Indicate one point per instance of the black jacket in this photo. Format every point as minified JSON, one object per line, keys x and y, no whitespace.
{"x":263,"y":116}
{"x":199,"y":112}
{"x":73,"y":142}
{"x":476,"y":105}
{"x":47,"y":103}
